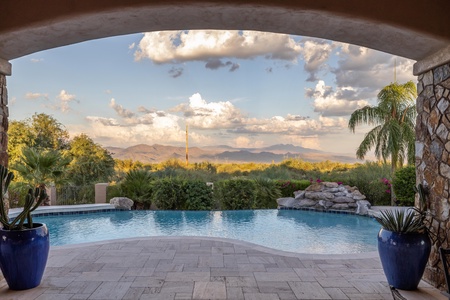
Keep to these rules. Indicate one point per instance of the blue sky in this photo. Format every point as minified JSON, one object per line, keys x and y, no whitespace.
{"x":239,"y":88}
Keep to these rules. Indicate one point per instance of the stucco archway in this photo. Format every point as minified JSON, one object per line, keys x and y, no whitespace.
{"x":416,"y":29}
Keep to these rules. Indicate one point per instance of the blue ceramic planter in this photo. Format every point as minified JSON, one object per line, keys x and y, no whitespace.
{"x":23,"y":256}
{"x":403,"y":257}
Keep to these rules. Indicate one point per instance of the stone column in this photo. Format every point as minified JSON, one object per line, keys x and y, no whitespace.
{"x":100,"y":192}
{"x":5,"y":69}
{"x":433,"y":155}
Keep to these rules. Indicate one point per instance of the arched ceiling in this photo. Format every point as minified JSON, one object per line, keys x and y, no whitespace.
{"x":414,"y":29}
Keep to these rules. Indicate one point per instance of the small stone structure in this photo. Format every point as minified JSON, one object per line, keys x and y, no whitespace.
{"x":122,"y":203}
{"x":327,"y":196}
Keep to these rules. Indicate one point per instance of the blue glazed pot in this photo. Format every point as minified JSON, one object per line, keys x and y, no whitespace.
{"x":23,"y":256}
{"x":403,"y":257}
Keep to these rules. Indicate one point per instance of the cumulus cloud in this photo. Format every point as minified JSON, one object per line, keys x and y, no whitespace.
{"x":203,"y":115}
{"x":212,"y":46}
{"x":33,"y":96}
{"x":207,"y":122}
{"x":124,"y":113}
{"x":64,"y":99}
{"x":367,"y":71}
{"x":328,"y":103}
{"x":60,"y":103}
{"x":315,"y":53}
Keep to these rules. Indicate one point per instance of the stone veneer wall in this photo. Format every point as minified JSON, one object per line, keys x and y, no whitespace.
{"x":3,"y":121}
{"x":433,"y":154}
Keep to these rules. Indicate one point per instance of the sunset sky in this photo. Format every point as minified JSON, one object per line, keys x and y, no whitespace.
{"x":237,"y":88}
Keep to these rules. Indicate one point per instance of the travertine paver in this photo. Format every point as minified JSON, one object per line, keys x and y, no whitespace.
{"x":205,"y":268}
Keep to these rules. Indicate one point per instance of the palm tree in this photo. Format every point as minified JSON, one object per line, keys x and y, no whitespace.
{"x":39,"y":168}
{"x":394,"y":118}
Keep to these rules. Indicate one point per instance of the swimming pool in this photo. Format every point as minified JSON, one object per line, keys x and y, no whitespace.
{"x":289,"y":230}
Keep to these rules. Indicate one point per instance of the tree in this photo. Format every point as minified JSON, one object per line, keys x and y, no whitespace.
{"x":48,"y":133}
{"x":19,"y":136}
{"x":41,"y":131}
{"x":40,"y":168}
{"x":90,"y":162}
{"x":394,"y":118}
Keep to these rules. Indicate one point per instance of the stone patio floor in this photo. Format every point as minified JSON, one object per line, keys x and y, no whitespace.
{"x":206,"y":268}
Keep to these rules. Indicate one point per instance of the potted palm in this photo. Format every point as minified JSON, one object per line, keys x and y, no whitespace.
{"x":24,"y":245}
{"x":404,"y":244}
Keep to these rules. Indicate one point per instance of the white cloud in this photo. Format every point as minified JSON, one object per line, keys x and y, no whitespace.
{"x":245,"y":142}
{"x":367,"y":71}
{"x":209,"y":123}
{"x":124,"y":113}
{"x":33,"y":96}
{"x":316,"y":53}
{"x":203,"y":115}
{"x":211,"y":46}
{"x":327,"y":102}
{"x":64,"y":101}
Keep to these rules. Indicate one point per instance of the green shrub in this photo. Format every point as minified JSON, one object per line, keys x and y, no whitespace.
{"x":236,"y":193}
{"x":168,"y":193}
{"x":404,"y":182}
{"x":199,"y":196}
{"x":369,"y":178}
{"x":288,"y":187}
{"x":267,"y":193}
{"x":137,"y":186}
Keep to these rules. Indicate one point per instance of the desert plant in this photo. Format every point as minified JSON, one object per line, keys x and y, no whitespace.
{"x":33,"y":199}
{"x":237,"y":193}
{"x":288,"y":187}
{"x":404,"y":182}
{"x":168,"y":193}
{"x":267,"y":193}
{"x":401,"y":220}
{"x":199,"y":195}
{"x":137,"y":186}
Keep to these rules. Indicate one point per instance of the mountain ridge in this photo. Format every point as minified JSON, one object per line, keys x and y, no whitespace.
{"x":157,"y":153}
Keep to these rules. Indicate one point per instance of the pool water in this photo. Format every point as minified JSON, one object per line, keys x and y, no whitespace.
{"x":289,"y":230}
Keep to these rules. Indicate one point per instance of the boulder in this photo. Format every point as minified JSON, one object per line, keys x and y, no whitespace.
{"x":287,"y":202}
{"x":122,"y":203}
{"x":299,"y":195}
{"x":343,"y":200}
{"x":306,"y":203}
{"x":315,"y":187}
{"x":331,"y":184}
{"x":363,"y":207}
{"x":340,"y":206}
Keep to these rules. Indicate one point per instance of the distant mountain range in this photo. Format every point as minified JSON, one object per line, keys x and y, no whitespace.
{"x":222,"y":154}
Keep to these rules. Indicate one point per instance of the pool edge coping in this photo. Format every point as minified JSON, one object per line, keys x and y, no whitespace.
{"x":252,"y":246}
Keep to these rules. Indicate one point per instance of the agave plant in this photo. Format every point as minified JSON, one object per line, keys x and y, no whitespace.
{"x":401,"y":221}
{"x":33,"y":199}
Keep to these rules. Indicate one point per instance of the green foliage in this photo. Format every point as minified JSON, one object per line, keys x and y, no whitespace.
{"x":199,"y":196}
{"x":404,"y":182}
{"x":90,"y":162}
{"x":72,"y":195}
{"x":368,"y":178}
{"x":236,"y":193}
{"x":288,"y":187}
{"x":401,"y":221}
{"x":41,"y":167}
{"x":138,"y":186}
{"x":168,"y":193}
{"x":33,"y":199}
{"x":394,"y":117}
{"x":267,"y":193}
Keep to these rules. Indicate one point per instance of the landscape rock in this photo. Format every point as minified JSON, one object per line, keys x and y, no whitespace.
{"x":122,"y":203}
{"x":363,"y":207}
{"x":327,"y":195}
{"x":299,"y":195}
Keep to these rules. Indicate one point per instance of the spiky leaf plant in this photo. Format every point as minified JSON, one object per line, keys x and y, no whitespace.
{"x":401,"y":221}
{"x":33,"y":199}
